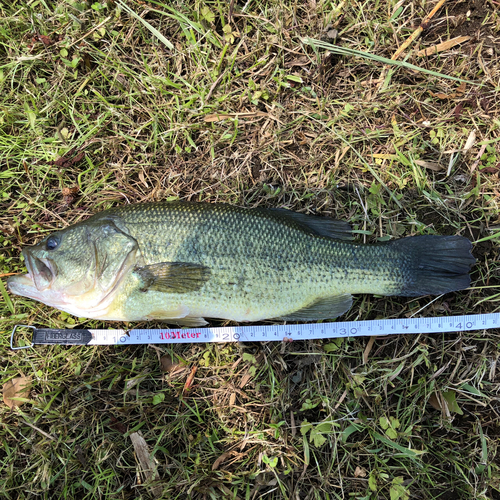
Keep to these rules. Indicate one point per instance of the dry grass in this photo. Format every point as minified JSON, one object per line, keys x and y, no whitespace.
{"x":233,"y":105}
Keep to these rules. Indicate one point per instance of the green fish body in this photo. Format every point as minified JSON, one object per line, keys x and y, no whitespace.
{"x":183,"y":262}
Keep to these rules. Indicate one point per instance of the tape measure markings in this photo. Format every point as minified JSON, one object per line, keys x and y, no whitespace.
{"x":263,"y":333}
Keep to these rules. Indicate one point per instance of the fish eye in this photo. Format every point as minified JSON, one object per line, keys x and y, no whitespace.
{"x":52,"y":242}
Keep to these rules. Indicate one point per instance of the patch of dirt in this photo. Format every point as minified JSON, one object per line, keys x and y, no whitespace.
{"x":433,"y":218}
{"x":464,"y":18}
{"x":468,"y":18}
{"x":66,"y":161}
{"x":444,"y":495}
{"x":483,"y":249}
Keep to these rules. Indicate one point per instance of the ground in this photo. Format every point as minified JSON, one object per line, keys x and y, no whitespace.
{"x":108,"y":103}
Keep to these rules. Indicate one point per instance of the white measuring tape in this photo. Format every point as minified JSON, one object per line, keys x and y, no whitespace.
{"x":265,"y":333}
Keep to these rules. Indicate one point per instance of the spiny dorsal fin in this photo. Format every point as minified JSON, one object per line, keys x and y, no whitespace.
{"x":173,"y":277}
{"x":322,"y":226}
{"x":326,"y":308}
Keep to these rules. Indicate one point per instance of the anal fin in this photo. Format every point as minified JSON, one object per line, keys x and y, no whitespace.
{"x":167,"y":314}
{"x":189,"y":321}
{"x":178,"y":316}
{"x":325,"y":308}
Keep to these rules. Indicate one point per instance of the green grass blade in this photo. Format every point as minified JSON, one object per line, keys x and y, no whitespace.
{"x":335,"y":49}
{"x":6,"y":298}
{"x":409,"y":453}
{"x":487,"y":238}
{"x":153,"y":30}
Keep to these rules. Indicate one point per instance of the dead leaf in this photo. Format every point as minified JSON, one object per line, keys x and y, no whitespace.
{"x":78,"y":157}
{"x":46,"y":40}
{"x":431,"y":165}
{"x":368,"y":349}
{"x":136,"y":380}
{"x":190,"y":379}
{"x":69,"y":194}
{"x":172,"y":368}
{"x":143,"y":179}
{"x":458,"y":110}
{"x":221,"y":459}
{"x":478,"y":158}
{"x":80,"y":456}
{"x":167,"y":364}
{"x":142,"y":454}
{"x":147,"y":467}
{"x":333,"y":34}
{"x":17,"y":387}
{"x":245,"y":380}
{"x":65,"y":161}
{"x":256,"y":168}
{"x":440,"y":47}
{"x":459,"y":92}
{"x":470,"y":141}
{"x":70,"y":191}
{"x":359,"y":472}
{"x":446,"y":402}
{"x":440,"y":95}
{"x":300,"y":61}
{"x":434,"y":401}
{"x":491,"y":170}
{"x":461,"y":89}
{"x":232,"y":399}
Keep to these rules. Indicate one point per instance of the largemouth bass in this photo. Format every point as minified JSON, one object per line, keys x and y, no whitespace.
{"x":183,"y":262}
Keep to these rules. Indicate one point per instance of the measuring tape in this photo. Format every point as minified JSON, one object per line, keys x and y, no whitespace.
{"x":265,"y":333}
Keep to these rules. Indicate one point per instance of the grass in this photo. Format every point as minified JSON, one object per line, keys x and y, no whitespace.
{"x":104,"y":104}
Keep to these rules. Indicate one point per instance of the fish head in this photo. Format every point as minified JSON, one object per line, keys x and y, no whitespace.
{"x":77,"y":268}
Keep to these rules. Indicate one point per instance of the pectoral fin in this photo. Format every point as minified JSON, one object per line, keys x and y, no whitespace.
{"x":326,"y":308}
{"x":173,"y":277}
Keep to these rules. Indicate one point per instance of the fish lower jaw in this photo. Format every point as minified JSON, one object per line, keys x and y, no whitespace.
{"x":18,"y":281}
{"x":24,"y":286}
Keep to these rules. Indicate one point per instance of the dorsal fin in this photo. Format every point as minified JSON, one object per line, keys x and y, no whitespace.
{"x":322,"y":226}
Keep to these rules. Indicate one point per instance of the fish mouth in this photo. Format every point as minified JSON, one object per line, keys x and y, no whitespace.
{"x":36,"y":284}
{"x":41,"y":271}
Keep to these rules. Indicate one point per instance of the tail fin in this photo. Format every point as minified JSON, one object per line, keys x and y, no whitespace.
{"x":435,"y":264}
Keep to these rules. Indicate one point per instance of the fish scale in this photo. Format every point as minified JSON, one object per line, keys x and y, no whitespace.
{"x":223,"y":239}
{"x":182,"y":262}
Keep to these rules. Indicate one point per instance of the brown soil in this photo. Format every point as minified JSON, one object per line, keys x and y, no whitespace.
{"x":467,"y":18}
{"x":464,"y":18}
